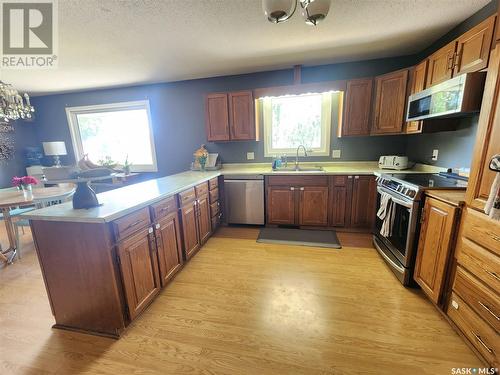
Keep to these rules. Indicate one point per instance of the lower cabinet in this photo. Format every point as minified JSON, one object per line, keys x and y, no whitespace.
{"x":434,"y":247}
{"x":352,"y":202}
{"x":169,"y":245}
{"x":281,"y":205}
{"x":139,"y":268}
{"x":313,"y":205}
{"x":190,"y":229}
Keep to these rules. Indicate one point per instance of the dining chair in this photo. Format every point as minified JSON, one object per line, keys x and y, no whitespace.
{"x":22,"y":223}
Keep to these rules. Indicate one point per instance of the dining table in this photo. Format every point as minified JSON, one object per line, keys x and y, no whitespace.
{"x":10,"y":198}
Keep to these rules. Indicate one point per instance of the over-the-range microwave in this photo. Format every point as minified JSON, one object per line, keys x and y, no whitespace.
{"x":458,"y":96}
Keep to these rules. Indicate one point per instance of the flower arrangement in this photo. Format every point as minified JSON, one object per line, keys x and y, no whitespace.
{"x":201,"y":156}
{"x":24,"y":181}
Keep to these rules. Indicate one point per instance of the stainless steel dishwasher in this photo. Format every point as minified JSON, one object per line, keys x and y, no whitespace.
{"x":244,"y":199}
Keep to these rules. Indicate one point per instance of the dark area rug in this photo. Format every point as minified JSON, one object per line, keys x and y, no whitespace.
{"x":301,"y":237}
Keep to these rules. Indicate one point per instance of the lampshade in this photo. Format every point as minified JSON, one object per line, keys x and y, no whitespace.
{"x":54,"y":148}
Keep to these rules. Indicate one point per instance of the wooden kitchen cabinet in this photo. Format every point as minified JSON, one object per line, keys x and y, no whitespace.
{"x":217,"y":117}
{"x":390,"y":102}
{"x":313,"y":206}
{"x":204,"y":222}
{"x":190,"y":229}
{"x":363,"y":206}
{"x":357,"y":107}
{"x":139,"y":269}
{"x":241,"y":116}
{"x":419,"y":76}
{"x":340,"y":200}
{"x":441,"y":64}
{"x":281,"y":205}
{"x":473,"y":48}
{"x":487,"y":140}
{"x":230,"y":117}
{"x":169,"y":245}
{"x":434,"y":247}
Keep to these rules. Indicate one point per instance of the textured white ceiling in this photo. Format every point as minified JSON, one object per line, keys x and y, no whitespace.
{"x":107,"y":43}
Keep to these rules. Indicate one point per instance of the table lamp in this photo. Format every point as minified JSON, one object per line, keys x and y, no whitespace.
{"x":55,"y":149}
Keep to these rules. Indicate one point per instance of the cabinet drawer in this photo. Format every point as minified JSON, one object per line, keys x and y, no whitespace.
{"x":213,"y":183}
{"x":214,"y":209}
{"x":215,"y":222}
{"x":480,"y":262}
{"x":129,"y":224}
{"x":480,"y":298}
{"x":482,"y":230}
{"x":479,"y":333}
{"x":339,"y":180}
{"x":297,"y":181}
{"x":201,"y":189}
{"x":214,"y":195}
{"x":163,"y":208}
{"x":187,"y":196}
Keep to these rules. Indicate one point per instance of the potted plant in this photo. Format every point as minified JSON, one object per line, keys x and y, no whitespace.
{"x":25,"y":184}
{"x":126,"y":166}
{"x":200,"y":157}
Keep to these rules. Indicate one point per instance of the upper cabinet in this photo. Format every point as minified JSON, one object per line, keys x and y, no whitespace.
{"x":357,"y":107}
{"x":441,"y":64}
{"x":230,"y":117}
{"x":488,"y":134}
{"x":390,"y":102}
{"x":467,"y":53}
{"x":419,"y":77}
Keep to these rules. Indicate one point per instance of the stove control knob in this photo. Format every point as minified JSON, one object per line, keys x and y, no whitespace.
{"x":412,"y":193}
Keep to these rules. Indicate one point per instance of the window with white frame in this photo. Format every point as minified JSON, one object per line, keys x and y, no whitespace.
{"x":293,"y":120}
{"x":116,"y":131}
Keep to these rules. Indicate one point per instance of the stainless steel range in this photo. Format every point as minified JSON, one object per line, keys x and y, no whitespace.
{"x":396,"y":240}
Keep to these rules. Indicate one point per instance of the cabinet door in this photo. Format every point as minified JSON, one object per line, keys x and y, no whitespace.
{"x":487,"y":139}
{"x":241,"y":116}
{"x":434,"y":246}
{"x":473,"y":48}
{"x":417,"y":85}
{"x":390,"y":102}
{"x":313,"y":206}
{"x":216,"y":117}
{"x":441,"y":64}
{"x":364,"y":197}
{"x":358,"y":104}
{"x":340,"y":200}
{"x":204,"y":222}
{"x":168,"y":241}
{"x":139,"y":268}
{"x":190,"y":229}
{"x":281,"y":205}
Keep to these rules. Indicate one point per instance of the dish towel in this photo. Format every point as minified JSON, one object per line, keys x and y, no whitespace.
{"x":492,"y":207}
{"x":386,"y":213}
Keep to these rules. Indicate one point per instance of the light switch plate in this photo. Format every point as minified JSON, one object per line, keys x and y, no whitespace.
{"x":336,"y":154}
{"x":435,"y":154}
{"x":250,"y":155}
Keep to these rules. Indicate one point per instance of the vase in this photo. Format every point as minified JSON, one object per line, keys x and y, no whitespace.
{"x":202,"y":167}
{"x":28,"y":192}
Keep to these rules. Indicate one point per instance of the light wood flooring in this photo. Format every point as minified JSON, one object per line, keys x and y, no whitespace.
{"x":239,"y":307}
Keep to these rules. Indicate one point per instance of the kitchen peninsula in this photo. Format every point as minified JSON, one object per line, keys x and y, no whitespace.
{"x":103,"y":266}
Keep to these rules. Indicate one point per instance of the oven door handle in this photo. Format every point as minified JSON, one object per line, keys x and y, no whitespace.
{"x":396,"y":200}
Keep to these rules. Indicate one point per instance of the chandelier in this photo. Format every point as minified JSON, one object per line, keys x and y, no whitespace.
{"x":12,"y":104}
{"x":313,"y":11}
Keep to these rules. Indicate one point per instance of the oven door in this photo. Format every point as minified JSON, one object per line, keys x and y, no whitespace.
{"x":401,"y":240}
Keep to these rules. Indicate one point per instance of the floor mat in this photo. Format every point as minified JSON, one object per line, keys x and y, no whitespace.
{"x":302,"y":237}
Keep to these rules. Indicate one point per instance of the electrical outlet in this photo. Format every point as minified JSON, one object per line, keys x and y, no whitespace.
{"x":250,"y":155}
{"x":435,"y":154}
{"x":336,"y":154}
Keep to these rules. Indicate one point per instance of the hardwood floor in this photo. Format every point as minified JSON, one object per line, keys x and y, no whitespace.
{"x":239,"y":307}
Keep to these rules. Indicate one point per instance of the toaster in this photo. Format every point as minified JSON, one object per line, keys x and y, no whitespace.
{"x":393,"y":162}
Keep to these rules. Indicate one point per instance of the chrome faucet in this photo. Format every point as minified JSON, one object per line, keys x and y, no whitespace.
{"x":297,"y":156}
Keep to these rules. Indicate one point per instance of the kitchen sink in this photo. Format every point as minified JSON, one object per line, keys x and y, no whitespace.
{"x":293,"y":169}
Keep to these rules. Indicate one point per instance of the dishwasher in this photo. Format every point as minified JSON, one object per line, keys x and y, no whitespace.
{"x":244,"y":199}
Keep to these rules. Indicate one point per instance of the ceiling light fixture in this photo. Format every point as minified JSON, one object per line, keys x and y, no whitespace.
{"x":313,"y":11}
{"x":12,"y":105}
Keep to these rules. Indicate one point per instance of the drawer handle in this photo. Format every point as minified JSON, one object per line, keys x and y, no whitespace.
{"x":489,"y":310}
{"x":493,"y":274}
{"x":163,"y":209}
{"x":292,"y":188}
{"x":135,"y":223}
{"x":301,"y":189}
{"x":478,"y":338}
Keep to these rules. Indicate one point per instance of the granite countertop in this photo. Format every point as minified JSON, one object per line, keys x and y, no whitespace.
{"x":120,"y":202}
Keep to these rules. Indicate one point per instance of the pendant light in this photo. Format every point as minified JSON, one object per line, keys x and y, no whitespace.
{"x":313,"y":11}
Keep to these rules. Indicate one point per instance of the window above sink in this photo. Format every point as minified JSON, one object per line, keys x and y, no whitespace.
{"x":292,"y":120}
